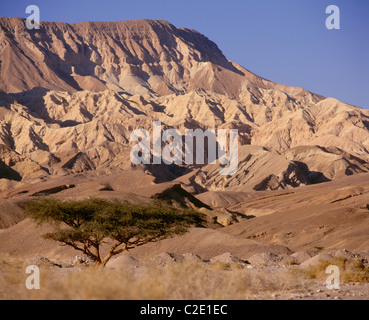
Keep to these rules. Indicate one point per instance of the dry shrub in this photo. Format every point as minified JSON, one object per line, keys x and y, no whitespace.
{"x":351,"y":270}
{"x":183,"y":281}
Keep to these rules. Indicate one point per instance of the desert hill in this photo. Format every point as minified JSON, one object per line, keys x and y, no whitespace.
{"x":321,"y":217}
{"x":71,"y":94}
{"x":45,"y":133}
{"x":136,"y":57}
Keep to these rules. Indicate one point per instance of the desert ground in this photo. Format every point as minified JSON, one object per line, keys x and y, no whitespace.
{"x":280,"y":238}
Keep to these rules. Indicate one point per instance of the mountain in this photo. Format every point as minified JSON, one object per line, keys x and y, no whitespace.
{"x":71,"y":94}
{"x":136,"y":57}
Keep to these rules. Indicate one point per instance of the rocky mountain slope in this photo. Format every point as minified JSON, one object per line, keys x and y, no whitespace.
{"x":137,"y":57}
{"x":73,"y":93}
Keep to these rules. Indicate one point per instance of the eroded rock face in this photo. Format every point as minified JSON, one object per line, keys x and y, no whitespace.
{"x":73,"y":93}
{"x":132,"y":56}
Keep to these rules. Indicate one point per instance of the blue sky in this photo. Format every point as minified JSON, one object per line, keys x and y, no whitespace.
{"x":284,"y":41}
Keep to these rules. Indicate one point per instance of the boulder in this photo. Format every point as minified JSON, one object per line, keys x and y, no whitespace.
{"x":264,"y":259}
{"x":301,"y":256}
{"x":123,"y":262}
{"x":226,"y":258}
{"x":316,"y":260}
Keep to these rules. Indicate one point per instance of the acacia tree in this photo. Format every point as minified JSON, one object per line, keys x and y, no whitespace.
{"x":87,"y":224}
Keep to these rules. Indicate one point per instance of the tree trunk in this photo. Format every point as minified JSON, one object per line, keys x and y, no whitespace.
{"x":106,"y":260}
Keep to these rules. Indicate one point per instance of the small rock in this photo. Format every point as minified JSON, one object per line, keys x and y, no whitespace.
{"x":191,"y":257}
{"x":301,"y":256}
{"x":265,"y":258}
{"x":166,"y":258}
{"x":123,"y":262}
{"x":82,"y":260}
{"x":226,"y":258}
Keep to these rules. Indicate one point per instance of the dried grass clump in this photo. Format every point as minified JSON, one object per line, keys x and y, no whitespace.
{"x":183,"y":281}
{"x":351,"y":270}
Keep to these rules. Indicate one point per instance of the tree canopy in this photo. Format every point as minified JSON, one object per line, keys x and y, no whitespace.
{"x":87,"y":224}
